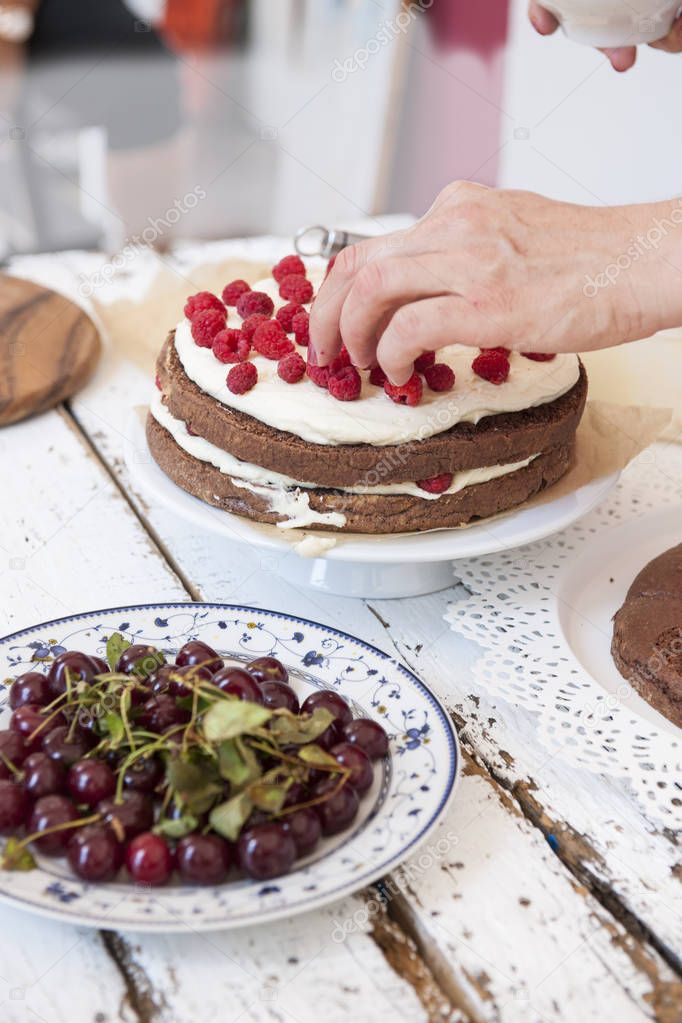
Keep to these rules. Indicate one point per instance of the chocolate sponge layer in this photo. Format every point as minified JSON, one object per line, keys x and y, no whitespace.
{"x":365,"y":513}
{"x":495,"y":440}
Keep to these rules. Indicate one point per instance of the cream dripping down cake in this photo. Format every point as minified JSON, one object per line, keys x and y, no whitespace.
{"x":241,"y":421}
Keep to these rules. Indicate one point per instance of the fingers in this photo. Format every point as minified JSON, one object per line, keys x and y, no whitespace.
{"x":325,"y":313}
{"x":428,"y":325}
{"x":541,"y":19}
{"x":672,"y":43}
{"x":378,"y":290}
{"x":622,"y":57}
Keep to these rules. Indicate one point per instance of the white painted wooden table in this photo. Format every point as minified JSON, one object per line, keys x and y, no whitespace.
{"x":559,"y":900}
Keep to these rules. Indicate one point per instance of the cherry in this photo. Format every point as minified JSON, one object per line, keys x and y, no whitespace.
{"x":203,"y":859}
{"x":80,"y":666}
{"x":43,"y":776}
{"x":304,"y":827}
{"x":368,"y":735}
{"x":196,"y":652}
{"x":131,"y":816}
{"x":239,"y":683}
{"x":14,"y":806}
{"x":339,"y":808}
{"x":144,"y":774}
{"x":149,"y":859}
{"x":12,"y":748}
{"x":101,"y":666}
{"x":277,"y":694}
{"x":332,"y":735}
{"x":195,"y":673}
{"x":94,"y":854}
{"x":266,"y":850}
{"x":140,"y":659}
{"x":32,"y":687}
{"x":331,"y":701}
{"x":67,"y":748}
{"x":268,"y":669}
{"x":356,"y":760}
{"x":50,"y":812}
{"x":90,"y":781}
{"x":161,"y":712}
{"x":32,"y":724}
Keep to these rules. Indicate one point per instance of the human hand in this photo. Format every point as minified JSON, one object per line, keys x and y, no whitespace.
{"x":622,"y":57}
{"x":488,"y":267}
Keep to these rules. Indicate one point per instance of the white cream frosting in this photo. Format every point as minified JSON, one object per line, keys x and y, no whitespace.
{"x":314,"y":415}
{"x":289,"y":494}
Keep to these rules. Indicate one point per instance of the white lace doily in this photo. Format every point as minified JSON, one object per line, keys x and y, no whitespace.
{"x":513,"y":614}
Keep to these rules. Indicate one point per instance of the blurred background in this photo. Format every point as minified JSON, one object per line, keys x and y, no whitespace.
{"x":145,"y":122}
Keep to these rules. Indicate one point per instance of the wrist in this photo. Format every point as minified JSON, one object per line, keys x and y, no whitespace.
{"x":654,"y":276}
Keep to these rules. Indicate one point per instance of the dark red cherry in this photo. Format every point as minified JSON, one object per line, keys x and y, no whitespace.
{"x":278,"y":694}
{"x":160,"y":712}
{"x":239,"y":683}
{"x":266,"y":850}
{"x":12,"y":748}
{"x":32,"y":724}
{"x":194,"y":673}
{"x":358,"y":763}
{"x":267,"y":669}
{"x":304,"y":827}
{"x":129,"y":817}
{"x":149,"y":859}
{"x":196,"y":652}
{"x":339,"y":808}
{"x":331,"y":701}
{"x":14,"y":806}
{"x":332,"y":735}
{"x":91,"y":781}
{"x":80,"y":667}
{"x":101,"y":666}
{"x":141,"y":660}
{"x":203,"y":859}
{"x":144,"y":774}
{"x":368,"y":735}
{"x":31,"y":687}
{"x":51,"y":812}
{"x":94,"y":854}
{"x":43,"y":776}
{"x":67,"y":745}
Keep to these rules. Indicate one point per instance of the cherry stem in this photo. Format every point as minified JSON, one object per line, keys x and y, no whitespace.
{"x":66,"y":826}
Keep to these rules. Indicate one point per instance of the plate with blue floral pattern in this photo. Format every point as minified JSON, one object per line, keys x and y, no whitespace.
{"x":412,"y":786}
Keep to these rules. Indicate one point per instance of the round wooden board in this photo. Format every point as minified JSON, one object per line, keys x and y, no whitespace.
{"x":48,"y":349}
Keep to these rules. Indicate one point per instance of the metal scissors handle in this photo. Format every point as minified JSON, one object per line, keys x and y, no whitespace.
{"x":324,"y":241}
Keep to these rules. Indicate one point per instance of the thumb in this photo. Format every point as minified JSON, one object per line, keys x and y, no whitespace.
{"x":622,"y":57}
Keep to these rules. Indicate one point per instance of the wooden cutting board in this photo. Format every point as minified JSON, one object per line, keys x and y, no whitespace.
{"x":48,"y":349}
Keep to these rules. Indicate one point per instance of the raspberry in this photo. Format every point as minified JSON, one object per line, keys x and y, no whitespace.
{"x":296,"y":288}
{"x":206,"y":325}
{"x":286,"y":314}
{"x":345,"y":384}
{"x":330,"y":266}
{"x":300,"y":327}
{"x":492,"y":365}
{"x":233,"y":290}
{"x":242,"y":377}
{"x":539,"y":356}
{"x":200,"y":302}
{"x":291,"y":368}
{"x":270,"y":340}
{"x":409,"y":394}
{"x":251,"y":302}
{"x":439,"y":377}
{"x":250,"y":323}
{"x":436,"y":484}
{"x":424,"y":361}
{"x":341,"y":361}
{"x":497,"y":348}
{"x":286,"y":266}
{"x":229,"y":345}
{"x":318,"y":374}
{"x":377,"y":376}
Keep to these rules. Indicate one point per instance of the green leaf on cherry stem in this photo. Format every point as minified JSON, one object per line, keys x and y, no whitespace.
{"x":177,"y":828}
{"x":237,"y":763}
{"x":229,"y":818}
{"x":116,"y":644}
{"x":195,"y":784}
{"x":288,"y":728}
{"x":227,"y":719}
{"x":17,"y":857}
{"x":113,"y":725}
{"x":315,"y":755}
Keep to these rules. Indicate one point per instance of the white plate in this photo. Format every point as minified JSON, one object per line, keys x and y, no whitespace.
{"x":594,"y":587}
{"x":361,"y":564}
{"x":411,"y":791}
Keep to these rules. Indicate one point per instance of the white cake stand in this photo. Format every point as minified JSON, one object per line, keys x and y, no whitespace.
{"x":362,"y":565}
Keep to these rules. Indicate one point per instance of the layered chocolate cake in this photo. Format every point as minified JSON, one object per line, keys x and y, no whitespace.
{"x":243,"y":423}
{"x":647,"y":634}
